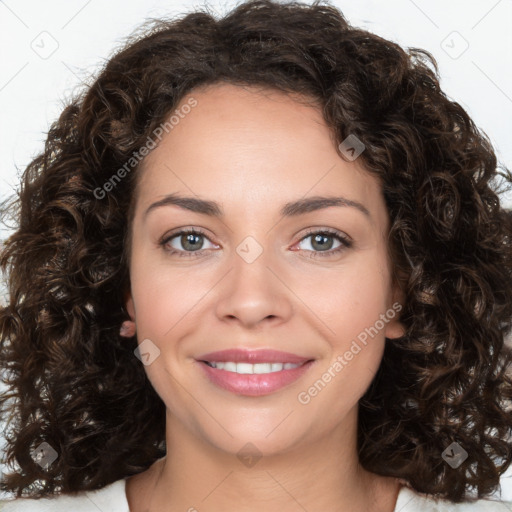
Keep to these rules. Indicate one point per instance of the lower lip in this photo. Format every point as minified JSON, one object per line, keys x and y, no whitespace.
{"x":257,"y":384}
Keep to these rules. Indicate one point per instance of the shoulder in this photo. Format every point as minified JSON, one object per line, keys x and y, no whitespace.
{"x":411,"y":501}
{"x":111,"y":498}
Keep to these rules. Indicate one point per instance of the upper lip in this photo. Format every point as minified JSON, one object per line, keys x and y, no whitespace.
{"x":253,"y":356}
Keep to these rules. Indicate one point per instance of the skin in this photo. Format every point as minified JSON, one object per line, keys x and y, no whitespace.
{"x":252,"y":151}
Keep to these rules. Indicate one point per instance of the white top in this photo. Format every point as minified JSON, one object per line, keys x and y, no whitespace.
{"x":112,"y":498}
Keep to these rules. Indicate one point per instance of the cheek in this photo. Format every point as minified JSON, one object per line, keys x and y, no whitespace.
{"x":163,"y":297}
{"x":356,"y":339}
{"x":365,"y":300}
{"x":350,"y":305}
{"x":349,"y":300}
{"x":166,"y":310}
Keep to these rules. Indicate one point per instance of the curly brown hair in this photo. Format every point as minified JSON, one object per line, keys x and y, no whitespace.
{"x":73,"y":381}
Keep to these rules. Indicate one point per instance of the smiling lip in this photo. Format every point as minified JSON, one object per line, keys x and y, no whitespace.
{"x":253,"y":384}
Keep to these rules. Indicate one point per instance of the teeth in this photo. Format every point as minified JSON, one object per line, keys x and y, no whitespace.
{"x":248,"y":368}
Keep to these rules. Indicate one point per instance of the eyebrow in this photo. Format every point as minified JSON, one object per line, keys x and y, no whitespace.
{"x":291,"y":209}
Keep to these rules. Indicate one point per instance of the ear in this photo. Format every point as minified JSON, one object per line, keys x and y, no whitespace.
{"x":129,"y":305}
{"x":394,"y":327}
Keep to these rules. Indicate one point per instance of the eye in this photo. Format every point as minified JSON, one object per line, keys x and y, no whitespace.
{"x":322,"y":242}
{"x":190,"y":240}
{"x":190,"y":243}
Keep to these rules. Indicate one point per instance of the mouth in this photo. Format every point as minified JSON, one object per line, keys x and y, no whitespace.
{"x":253,"y":373}
{"x":251,"y":369}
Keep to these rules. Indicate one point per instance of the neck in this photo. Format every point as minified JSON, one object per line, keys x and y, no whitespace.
{"x":320,"y":475}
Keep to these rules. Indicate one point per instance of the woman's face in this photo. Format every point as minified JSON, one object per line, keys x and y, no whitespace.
{"x":261,"y":274}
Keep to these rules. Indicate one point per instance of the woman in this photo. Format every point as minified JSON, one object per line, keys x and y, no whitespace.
{"x":260,"y":265}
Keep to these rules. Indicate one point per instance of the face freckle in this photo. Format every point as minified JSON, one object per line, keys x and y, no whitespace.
{"x":260,"y":190}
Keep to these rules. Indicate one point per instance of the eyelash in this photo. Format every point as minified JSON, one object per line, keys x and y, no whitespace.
{"x":345,"y":243}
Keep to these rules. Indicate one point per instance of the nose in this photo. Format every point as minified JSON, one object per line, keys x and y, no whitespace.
{"x":252,"y":294}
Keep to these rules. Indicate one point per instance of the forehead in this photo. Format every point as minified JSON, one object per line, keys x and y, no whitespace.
{"x":249,"y":146}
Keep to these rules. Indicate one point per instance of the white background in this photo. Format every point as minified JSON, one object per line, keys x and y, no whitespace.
{"x":50,"y":48}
